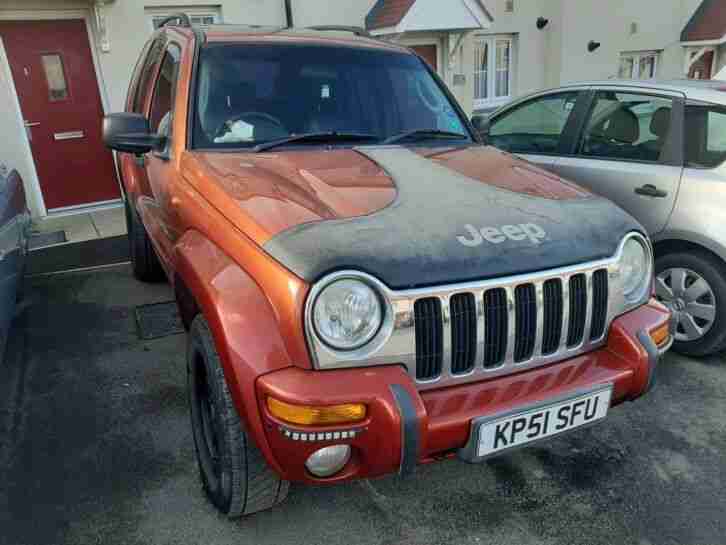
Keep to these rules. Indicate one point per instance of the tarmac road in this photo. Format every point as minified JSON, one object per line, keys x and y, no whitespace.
{"x":95,"y":447}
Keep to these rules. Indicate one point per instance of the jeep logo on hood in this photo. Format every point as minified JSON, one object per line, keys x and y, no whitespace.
{"x":497,"y":235}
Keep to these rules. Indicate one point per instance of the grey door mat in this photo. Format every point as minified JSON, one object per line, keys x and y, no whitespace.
{"x":41,"y":240}
{"x":158,"y":320}
{"x":79,"y":255}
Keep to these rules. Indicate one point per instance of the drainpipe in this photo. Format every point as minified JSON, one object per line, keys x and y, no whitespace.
{"x":288,"y":13}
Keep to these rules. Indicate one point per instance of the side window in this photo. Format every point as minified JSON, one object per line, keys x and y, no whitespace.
{"x":147,"y":73}
{"x":627,"y":126}
{"x":534,"y":127}
{"x":162,"y":104}
{"x":706,"y":130}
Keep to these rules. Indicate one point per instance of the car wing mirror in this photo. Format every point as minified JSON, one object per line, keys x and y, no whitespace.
{"x":481,"y":125}
{"x":130,"y":133}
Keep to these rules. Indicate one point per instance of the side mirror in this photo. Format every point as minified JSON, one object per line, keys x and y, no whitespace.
{"x":130,"y":133}
{"x":481,"y":126}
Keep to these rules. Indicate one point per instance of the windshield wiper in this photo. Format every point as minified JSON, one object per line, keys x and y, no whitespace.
{"x":324,"y":137}
{"x":423,"y":134}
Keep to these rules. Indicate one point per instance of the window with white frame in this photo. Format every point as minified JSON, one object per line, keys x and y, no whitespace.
{"x":209,"y":15}
{"x":493,"y":67}
{"x":638,"y":65}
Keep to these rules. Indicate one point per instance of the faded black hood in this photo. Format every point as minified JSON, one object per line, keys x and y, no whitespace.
{"x":444,"y":228}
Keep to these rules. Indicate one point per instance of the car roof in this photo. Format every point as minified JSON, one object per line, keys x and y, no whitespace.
{"x":230,"y":33}
{"x":705,"y":90}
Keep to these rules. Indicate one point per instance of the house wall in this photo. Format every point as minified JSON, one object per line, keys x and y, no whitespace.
{"x":329,"y":12}
{"x":659,"y":24}
{"x":558,"y":54}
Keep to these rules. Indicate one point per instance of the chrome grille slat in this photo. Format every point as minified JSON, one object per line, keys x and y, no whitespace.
{"x":511,"y":326}
{"x":539,"y":334}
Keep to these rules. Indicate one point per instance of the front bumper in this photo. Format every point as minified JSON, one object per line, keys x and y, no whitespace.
{"x":405,"y":427}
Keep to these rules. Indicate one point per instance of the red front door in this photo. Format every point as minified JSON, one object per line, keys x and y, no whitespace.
{"x":56,"y":83}
{"x":428,"y":52}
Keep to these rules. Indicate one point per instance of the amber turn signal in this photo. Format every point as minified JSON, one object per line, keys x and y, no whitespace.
{"x":661,"y":334}
{"x":316,"y":416}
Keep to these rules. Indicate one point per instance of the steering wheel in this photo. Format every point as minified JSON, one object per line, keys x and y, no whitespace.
{"x":226,"y":126}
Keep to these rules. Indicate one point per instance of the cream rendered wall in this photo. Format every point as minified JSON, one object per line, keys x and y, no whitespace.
{"x":330,"y":12}
{"x":659,"y":24}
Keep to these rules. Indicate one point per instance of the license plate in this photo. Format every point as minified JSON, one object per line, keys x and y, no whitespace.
{"x":527,"y":426}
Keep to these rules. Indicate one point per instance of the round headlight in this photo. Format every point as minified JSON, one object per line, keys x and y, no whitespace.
{"x":347,"y":314}
{"x":634,"y":269}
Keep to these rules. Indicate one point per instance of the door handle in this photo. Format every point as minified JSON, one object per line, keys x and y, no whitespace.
{"x":649,"y":190}
{"x":32,"y":123}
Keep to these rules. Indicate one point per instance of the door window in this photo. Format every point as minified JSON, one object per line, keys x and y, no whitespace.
{"x":55,"y":77}
{"x":162,"y":104}
{"x":706,"y":129}
{"x":536,"y":126}
{"x":627,"y":126}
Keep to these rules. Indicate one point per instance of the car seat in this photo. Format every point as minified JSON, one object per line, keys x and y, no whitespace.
{"x":615,"y":135}
{"x":660,"y":125}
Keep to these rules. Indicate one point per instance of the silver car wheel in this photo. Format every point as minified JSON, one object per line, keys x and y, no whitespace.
{"x":690,"y":298}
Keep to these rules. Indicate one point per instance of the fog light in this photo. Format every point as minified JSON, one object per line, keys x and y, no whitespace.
{"x":327,"y":461}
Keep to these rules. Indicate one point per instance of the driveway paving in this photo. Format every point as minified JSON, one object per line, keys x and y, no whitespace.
{"x":95,"y":447}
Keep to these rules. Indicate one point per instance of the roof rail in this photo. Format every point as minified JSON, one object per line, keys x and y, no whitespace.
{"x":182,"y":18}
{"x":358,"y":31}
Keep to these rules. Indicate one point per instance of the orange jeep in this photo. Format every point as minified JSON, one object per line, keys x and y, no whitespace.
{"x":366,"y":286}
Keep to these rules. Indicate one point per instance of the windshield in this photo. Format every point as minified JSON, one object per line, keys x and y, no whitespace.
{"x":251,"y":94}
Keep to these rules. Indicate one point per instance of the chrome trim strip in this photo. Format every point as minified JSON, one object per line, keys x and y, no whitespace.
{"x":395,"y":341}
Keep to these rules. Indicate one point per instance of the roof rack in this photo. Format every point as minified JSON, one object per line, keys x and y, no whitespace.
{"x":358,"y":31}
{"x":181,"y":18}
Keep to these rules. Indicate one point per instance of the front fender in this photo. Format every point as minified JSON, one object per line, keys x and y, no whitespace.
{"x":242,"y":321}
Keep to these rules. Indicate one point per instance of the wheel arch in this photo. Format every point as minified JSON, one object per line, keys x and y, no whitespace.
{"x":240,"y":318}
{"x":683,"y":245}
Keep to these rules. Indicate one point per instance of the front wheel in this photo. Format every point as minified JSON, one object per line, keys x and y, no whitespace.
{"x":144,"y":261}
{"x":693,"y":286}
{"x":235,"y":475}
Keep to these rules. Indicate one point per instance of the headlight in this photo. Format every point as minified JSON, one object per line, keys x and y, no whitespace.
{"x":634,"y":270}
{"x":347,"y":314}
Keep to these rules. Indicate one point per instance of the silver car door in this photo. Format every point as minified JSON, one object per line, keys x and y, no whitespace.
{"x":533,"y":127}
{"x":9,"y":260}
{"x":630,"y":151}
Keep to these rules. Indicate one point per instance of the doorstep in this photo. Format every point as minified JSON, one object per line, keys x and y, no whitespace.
{"x":91,"y":224}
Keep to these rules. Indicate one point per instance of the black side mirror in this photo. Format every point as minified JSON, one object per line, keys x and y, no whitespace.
{"x":130,"y":133}
{"x":481,"y":126}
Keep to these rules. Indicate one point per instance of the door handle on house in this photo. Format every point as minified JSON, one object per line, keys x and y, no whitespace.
{"x":649,"y":190}
{"x":29,"y":124}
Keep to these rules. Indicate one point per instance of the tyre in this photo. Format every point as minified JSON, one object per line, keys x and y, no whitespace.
{"x":235,"y":475}
{"x":145,"y":262}
{"x":693,"y":285}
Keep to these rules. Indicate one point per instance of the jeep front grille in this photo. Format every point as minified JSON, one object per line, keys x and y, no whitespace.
{"x":460,"y":333}
{"x":508,"y":327}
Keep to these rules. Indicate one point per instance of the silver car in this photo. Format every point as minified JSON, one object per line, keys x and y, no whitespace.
{"x":657,"y":149}
{"x":14,"y":228}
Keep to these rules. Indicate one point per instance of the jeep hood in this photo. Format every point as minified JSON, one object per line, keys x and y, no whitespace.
{"x":410,"y":218}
